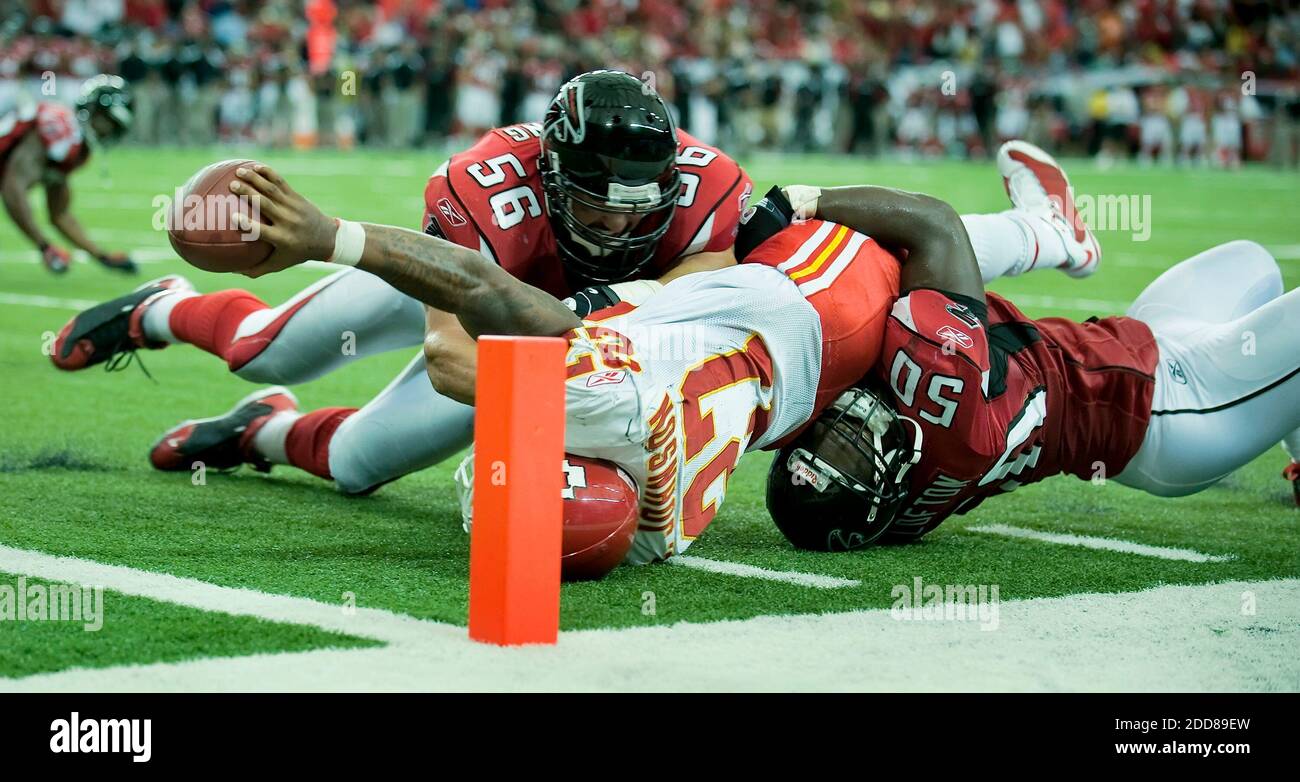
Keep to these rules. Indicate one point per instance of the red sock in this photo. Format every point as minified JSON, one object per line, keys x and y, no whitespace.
{"x":308,"y":442}
{"x":210,"y":321}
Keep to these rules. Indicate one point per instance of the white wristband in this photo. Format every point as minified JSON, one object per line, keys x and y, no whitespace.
{"x":349,"y":243}
{"x":636,"y":292}
{"x":803,"y":200}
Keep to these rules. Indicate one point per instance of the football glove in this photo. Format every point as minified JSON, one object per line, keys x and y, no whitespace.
{"x":56,"y":259}
{"x":762,"y":221}
{"x":598,"y":297}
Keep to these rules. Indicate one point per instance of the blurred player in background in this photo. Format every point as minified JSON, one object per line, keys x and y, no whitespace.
{"x":1156,"y":133}
{"x":42,"y":144}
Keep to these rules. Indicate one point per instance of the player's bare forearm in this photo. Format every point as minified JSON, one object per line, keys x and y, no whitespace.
{"x":450,"y":356}
{"x":939,"y":253}
{"x":434,"y":271}
{"x":454,"y":279}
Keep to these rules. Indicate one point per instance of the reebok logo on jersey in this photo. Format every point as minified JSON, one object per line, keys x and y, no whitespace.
{"x":1176,"y":372}
{"x":448,"y":211}
{"x":612,"y":377}
{"x":950,"y":334}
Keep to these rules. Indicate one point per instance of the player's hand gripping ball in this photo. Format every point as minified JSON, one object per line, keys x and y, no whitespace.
{"x":252,"y":221}
{"x":203,"y":228}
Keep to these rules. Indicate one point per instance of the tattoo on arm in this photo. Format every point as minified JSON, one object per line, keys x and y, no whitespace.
{"x":485,"y":298}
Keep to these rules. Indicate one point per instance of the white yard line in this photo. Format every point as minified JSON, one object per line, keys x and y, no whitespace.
{"x":1096,"y":306}
{"x":140,"y":256}
{"x":752,"y":571}
{"x":1220,"y":637}
{"x":1285,"y":252}
{"x":1103,"y":544}
{"x":363,"y":622}
{"x":46,"y":302}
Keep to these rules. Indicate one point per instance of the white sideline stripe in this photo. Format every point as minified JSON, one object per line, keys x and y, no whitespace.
{"x":47,"y":302}
{"x":141,"y":255}
{"x":364,"y":622}
{"x":1165,"y":639}
{"x":753,"y":571}
{"x":1103,"y":544}
{"x":1285,"y":252}
{"x":1068,"y":303}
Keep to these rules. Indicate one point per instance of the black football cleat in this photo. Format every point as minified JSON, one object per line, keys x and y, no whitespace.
{"x":222,"y":442}
{"x":112,"y":329}
{"x":118,"y":262}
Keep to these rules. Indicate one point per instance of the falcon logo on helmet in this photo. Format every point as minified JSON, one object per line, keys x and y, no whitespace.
{"x":608,"y":148}
{"x":571,"y":126}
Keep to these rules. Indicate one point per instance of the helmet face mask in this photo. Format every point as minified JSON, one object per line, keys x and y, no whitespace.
{"x":608,"y":146}
{"x":841,"y":484}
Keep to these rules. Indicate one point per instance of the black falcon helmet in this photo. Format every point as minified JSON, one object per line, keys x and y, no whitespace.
{"x":840,"y":484}
{"x":609,"y":145}
{"x":108,"y":96}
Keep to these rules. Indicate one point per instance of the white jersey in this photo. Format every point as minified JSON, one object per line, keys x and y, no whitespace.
{"x":675,"y":391}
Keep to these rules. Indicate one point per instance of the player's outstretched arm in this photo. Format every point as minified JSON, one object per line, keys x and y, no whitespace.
{"x":482,"y":295}
{"x":434,"y":271}
{"x":939,"y":253}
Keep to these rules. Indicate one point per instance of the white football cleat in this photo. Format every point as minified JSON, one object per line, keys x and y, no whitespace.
{"x":1036,"y":183}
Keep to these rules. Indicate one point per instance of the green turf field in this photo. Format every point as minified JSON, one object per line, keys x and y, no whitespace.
{"x":74,"y":480}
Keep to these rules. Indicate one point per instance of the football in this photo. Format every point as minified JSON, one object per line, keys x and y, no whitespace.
{"x":201,"y":227}
{"x":600,"y":518}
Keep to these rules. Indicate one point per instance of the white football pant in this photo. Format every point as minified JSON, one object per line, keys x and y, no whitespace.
{"x":1228,"y":384}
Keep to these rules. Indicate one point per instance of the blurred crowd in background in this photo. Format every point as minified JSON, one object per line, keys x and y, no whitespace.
{"x":1204,"y":82}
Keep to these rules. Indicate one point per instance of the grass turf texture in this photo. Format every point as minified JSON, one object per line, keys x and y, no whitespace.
{"x":138,"y":630}
{"x":74,"y":479}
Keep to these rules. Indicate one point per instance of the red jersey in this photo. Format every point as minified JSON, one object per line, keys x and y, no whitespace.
{"x":1004,"y":400}
{"x":489,"y":198}
{"x":851,"y":281}
{"x":55,"y":125}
